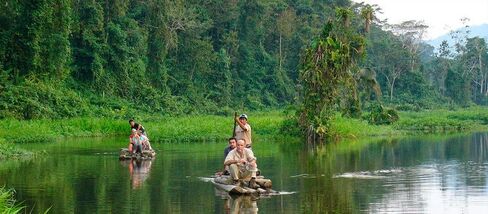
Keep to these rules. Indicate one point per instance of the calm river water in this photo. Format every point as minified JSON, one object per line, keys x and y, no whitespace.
{"x":412,"y":175}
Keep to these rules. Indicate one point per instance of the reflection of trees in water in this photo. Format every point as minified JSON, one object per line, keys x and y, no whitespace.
{"x":451,"y":170}
{"x":445,"y":162}
{"x":84,"y":184}
{"x":480,"y":146}
{"x":454,"y":162}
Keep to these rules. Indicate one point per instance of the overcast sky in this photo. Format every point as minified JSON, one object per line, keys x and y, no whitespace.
{"x":440,"y":15}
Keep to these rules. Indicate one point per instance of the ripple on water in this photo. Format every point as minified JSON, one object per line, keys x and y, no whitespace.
{"x":377,"y":174}
{"x":451,"y":187}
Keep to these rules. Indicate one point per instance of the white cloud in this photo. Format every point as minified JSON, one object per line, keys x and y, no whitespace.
{"x":440,"y":15}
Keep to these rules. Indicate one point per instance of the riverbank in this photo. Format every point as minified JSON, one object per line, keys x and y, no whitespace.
{"x":414,"y":123}
{"x":159,"y":128}
{"x":212,"y":127}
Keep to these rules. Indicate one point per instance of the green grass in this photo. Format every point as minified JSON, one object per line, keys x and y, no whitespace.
{"x":209,"y":127}
{"x":441,"y":120}
{"x":27,"y":131}
{"x":264,"y":124}
{"x":427,"y":121}
{"x":7,"y":202}
{"x":159,"y":128}
{"x":351,"y":128}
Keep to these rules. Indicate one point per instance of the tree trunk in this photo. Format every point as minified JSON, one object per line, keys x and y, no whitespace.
{"x":391,"y":88}
{"x":280,"y":52}
{"x":480,"y":64}
{"x":412,"y":65}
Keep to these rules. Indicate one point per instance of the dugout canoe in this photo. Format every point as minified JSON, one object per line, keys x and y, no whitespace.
{"x":224,"y":182}
{"x":145,"y":155}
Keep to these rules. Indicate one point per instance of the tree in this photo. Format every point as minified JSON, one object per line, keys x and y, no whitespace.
{"x":411,"y":34}
{"x":460,"y":36}
{"x":325,"y":67}
{"x":439,"y":67}
{"x":392,"y":72}
{"x":476,"y":62}
{"x":367,"y":13}
{"x":384,"y":49}
{"x":457,"y":86}
{"x":158,"y":37}
{"x":34,"y":38}
{"x":285,"y":26}
{"x":88,"y":42}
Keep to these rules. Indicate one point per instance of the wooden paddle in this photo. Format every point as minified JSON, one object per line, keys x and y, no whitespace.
{"x":235,"y":124}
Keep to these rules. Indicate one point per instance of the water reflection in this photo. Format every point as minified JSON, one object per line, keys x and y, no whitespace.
{"x":414,"y":175}
{"x":417,"y":175}
{"x":237,"y":204}
{"x":139,"y":171}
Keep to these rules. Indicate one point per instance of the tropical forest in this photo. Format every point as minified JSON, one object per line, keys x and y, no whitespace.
{"x":340,"y":101}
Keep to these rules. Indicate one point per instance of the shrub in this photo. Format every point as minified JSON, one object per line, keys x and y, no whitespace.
{"x":380,"y":115}
{"x":7,"y":201}
{"x":290,"y":127}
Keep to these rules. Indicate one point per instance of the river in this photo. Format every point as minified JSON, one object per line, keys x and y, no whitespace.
{"x":429,"y":174}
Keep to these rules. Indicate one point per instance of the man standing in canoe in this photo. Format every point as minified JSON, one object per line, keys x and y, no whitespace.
{"x":243,"y":130}
{"x":242,"y":164}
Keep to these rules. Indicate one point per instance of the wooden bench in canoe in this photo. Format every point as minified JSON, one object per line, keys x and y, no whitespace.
{"x":224,"y":182}
{"x":145,"y":155}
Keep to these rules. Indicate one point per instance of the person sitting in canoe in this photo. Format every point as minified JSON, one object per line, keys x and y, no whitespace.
{"x":137,"y":127}
{"x":230,"y":147}
{"x":135,"y":145}
{"x":242,"y":164}
{"x":144,"y":141}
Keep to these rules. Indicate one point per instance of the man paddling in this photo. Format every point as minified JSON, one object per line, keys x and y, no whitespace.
{"x":138,"y":127}
{"x":242,"y":164}
{"x":243,"y":130}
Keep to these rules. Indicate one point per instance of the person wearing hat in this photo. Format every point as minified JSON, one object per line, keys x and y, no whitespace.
{"x":243,"y":130}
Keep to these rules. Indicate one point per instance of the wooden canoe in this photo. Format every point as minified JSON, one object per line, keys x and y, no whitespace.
{"x":145,"y":155}
{"x":224,"y":182}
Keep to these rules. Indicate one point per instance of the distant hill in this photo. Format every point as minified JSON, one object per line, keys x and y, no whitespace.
{"x":478,"y":30}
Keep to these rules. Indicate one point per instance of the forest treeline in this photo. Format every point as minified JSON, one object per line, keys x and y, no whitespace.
{"x":68,"y":58}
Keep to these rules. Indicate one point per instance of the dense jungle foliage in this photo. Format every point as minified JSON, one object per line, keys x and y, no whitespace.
{"x":107,"y":58}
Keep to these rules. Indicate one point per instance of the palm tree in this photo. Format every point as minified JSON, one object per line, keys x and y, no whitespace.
{"x":367,"y":13}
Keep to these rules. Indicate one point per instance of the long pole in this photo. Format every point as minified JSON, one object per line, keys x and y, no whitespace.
{"x":235,"y":124}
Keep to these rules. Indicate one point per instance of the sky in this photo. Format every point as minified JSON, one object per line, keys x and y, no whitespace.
{"x":441,"y":16}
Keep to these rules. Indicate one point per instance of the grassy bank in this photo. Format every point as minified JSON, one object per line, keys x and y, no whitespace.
{"x":428,"y":121}
{"x":469,"y":119}
{"x":211,"y":127}
{"x":160,"y":129}
{"x":28,"y":131}
{"x":350,"y":128}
